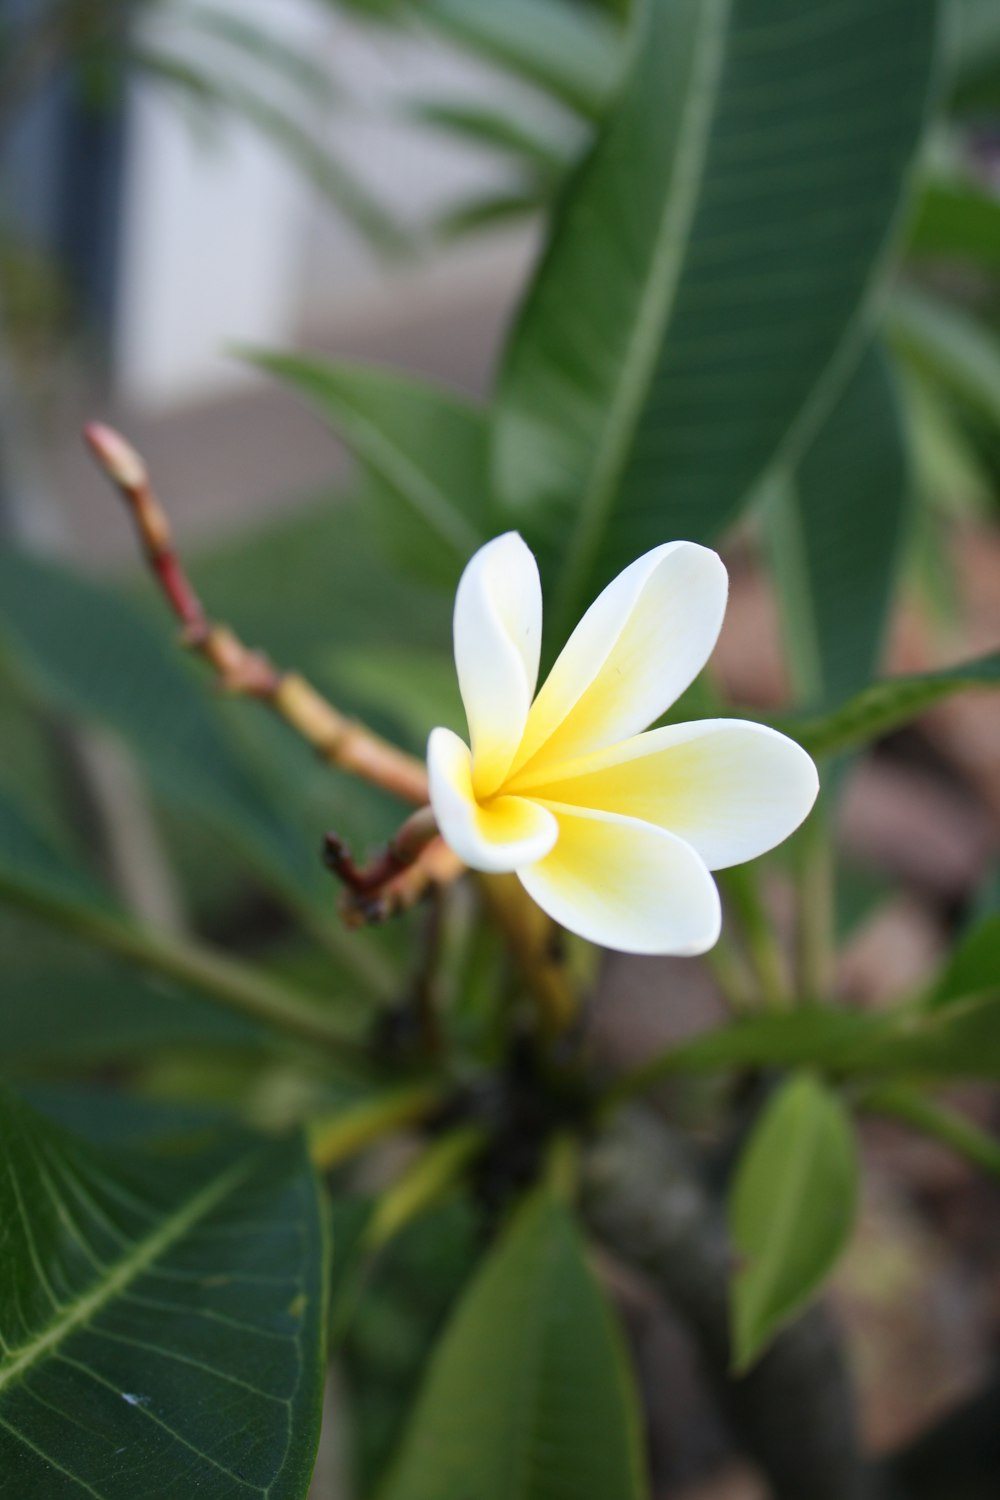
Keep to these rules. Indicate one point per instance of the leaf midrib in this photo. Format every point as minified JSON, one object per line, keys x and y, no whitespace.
{"x":144,"y":1254}
{"x":667,"y":262}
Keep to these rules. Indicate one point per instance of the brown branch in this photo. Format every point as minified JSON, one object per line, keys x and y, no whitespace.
{"x":343,"y":742}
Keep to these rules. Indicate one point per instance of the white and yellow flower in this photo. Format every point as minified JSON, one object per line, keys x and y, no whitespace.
{"x":613,"y":832}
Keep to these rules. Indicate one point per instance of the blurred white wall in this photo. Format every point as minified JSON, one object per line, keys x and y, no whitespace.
{"x":225,"y":244}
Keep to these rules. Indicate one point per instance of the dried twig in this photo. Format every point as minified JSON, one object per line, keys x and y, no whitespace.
{"x":340,"y":740}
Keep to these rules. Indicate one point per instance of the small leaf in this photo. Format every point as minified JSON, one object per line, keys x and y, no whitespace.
{"x":791,"y":1209}
{"x":527,"y":1396}
{"x":163,"y":1316}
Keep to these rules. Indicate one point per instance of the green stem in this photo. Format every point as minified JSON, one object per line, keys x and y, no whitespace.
{"x":739,"y":886}
{"x":815,"y":948}
{"x":225,"y":980}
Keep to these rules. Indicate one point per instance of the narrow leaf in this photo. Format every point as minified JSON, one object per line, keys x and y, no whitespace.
{"x":791,"y":1210}
{"x":886,"y":705}
{"x":526,"y":1397}
{"x":162,"y":1316}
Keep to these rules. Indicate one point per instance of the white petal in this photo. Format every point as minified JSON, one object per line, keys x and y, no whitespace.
{"x":498,"y":634}
{"x":729,"y":788}
{"x":626,"y":885}
{"x":640,"y":644}
{"x":507,"y":833}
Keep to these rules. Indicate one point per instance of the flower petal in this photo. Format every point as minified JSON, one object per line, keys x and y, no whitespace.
{"x":729,"y":788}
{"x":508,"y":832}
{"x":626,"y":885}
{"x":640,"y":644}
{"x":498,"y":634}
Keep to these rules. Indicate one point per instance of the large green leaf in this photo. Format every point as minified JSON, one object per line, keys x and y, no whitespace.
{"x":837,"y":524}
{"x":707,"y":270}
{"x":570,"y":52}
{"x":162,"y":1322}
{"x":526,"y":1397}
{"x":791,"y":1209}
{"x":88,"y":652}
{"x":425,"y":446}
{"x":886,"y":705}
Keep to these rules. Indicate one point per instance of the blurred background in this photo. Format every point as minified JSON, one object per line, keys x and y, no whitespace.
{"x":180,"y":181}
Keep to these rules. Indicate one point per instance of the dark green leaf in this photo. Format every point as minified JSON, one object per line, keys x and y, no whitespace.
{"x":706,"y":271}
{"x":569,"y":52}
{"x":162,"y":1328}
{"x":791,"y":1209}
{"x":837,"y":525}
{"x":425,"y":446}
{"x":526,"y":1397}
{"x":886,"y":705}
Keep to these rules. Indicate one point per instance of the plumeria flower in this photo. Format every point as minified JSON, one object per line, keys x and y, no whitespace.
{"x":613,"y":832}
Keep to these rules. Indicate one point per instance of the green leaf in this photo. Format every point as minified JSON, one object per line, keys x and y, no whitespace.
{"x":86,"y":651}
{"x":706,"y":272}
{"x":957,"y":218}
{"x":791,"y":1210}
{"x":569,"y":52}
{"x":957,"y":1039}
{"x":425,"y":447}
{"x":526,"y":1397}
{"x":886,"y":705}
{"x":837,"y":527}
{"x":163,"y":1321}
{"x":947,"y":346}
{"x":973,"y":967}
